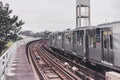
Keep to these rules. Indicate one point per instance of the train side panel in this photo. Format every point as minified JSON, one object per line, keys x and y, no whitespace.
{"x":116,"y":45}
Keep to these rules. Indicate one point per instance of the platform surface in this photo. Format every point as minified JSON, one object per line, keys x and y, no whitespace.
{"x":19,"y":68}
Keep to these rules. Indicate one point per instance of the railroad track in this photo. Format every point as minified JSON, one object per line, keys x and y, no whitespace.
{"x":84,"y":72}
{"x":49,"y":67}
{"x":32,"y":60}
{"x":46,"y":65}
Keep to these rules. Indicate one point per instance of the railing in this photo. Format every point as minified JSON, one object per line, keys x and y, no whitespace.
{"x":5,"y":60}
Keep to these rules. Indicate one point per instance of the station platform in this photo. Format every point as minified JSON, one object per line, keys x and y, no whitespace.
{"x":20,"y":69}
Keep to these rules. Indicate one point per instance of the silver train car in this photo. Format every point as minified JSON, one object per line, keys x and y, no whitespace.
{"x":97,"y":44}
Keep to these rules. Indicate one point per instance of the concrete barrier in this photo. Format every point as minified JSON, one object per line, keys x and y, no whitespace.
{"x":111,"y":75}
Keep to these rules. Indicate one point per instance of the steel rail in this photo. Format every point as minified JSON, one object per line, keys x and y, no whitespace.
{"x":87,"y":73}
{"x":64,"y":70}
{"x":33,"y":62}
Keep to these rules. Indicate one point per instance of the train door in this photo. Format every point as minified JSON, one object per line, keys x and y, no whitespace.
{"x":107,"y":46}
{"x":86,"y":44}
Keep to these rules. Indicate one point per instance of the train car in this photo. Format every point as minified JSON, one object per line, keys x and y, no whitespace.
{"x":106,"y":43}
{"x":80,"y":42}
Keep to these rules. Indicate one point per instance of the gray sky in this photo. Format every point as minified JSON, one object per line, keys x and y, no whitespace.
{"x":57,"y":15}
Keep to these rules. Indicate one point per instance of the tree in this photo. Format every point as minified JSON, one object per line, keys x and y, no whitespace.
{"x":9,"y":25}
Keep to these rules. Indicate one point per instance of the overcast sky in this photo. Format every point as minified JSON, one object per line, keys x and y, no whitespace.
{"x":57,"y":15}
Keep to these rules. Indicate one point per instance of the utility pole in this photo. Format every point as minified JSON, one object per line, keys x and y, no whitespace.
{"x":82,"y":13}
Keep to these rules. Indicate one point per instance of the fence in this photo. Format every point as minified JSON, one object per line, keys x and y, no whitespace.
{"x":5,"y":60}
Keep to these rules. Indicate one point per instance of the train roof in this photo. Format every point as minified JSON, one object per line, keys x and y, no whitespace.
{"x":111,"y":24}
{"x":115,"y":24}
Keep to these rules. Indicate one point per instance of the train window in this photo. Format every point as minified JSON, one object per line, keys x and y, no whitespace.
{"x":81,"y":40}
{"x":68,"y":39}
{"x":81,"y":37}
{"x":78,"y":10}
{"x":92,"y":41}
{"x":59,"y":35}
{"x":3,"y":62}
{"x":105,"y":41}
{"x":82,"y":32}
{"x":75,"y":38}
{"x":78,"y":37}
{"x":111,"y":42}
{"x":50,"y":39}
{"x":53,"y":37}
{"x":78,"y":22}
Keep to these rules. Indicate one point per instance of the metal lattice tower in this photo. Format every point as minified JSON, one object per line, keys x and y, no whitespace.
{"x":82,"y":13}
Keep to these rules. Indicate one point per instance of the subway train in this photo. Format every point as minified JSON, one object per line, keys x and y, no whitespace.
{"x":97,"y":44}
